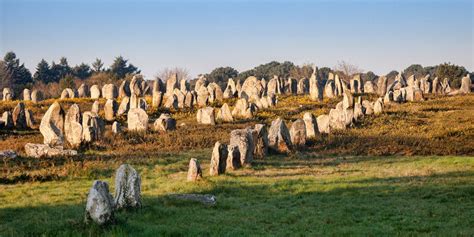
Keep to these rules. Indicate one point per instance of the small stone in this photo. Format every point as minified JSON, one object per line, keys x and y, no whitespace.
{"x":137,"y":120}
{"x":218,"y":159}
{"x":298,"y":133}
{"x":194,"y":171}
{"x":100,"y":204}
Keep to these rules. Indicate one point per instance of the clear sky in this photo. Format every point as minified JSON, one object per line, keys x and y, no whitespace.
{"x":377,"y":35}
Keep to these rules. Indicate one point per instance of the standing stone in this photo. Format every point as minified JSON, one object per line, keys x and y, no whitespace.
{"x":323,"y":123}
{"x":252,"y":87}
{"x":64,"y":94}
{"x":19,"y":116}
{"x":279,"y":139}
{"x":109,"y":91}
{"x":29,"y":118}
{"x":378,"y":106}
{"x":436,"y":86}
{"x":73,"y":126}
{"x":92,"y":127}
{"x":180,"y":96}
{"x":356,"y":84}
{"x":142,"y":104}
{"x":243,"y":139}
{"x":382,"y":85}
{"x":83,"y":91}
{"x":194,"y":170}
{"x":100,"y":204}
{"x":116,"y":128}
{"x":189,"y":99}
{"x":171,"y":84}
{"x":233,"y":157}
{"x":124,"y":106}
{"x":369,"y":87}
{"x":466,"y":85}
{"x":7,"y":119}
{"x":36,"y":96}
{"x":157,"y":99}
{"x":260,"y":140}
{"x":127,"y":188}
{"x":315,"y":86}
{"x":7,"y":94}
{"x":95,"y":92}
{"x":224,"y":114}
{"x":26,"y":94}
{"x":368,"y":107}
{"x":134,"y":102}
{"x":165,"y":123}
{"x":52,"y":125}
{"x":298,"y":133}
{"x":206,"y":116}
{"x":137,"y":120}
{"x":218,"y":159}
{"x":310,"y":124}
{"x":110,"y":109}
{"x":303,"y":86}
{"x":348,"y":100}
{"x":329,"y":89}
{"x":135,"y":85}
{"x":95,"y":107}
{"x":124,"y":89}
{"x":202,"y":96}
{"x":171,"y":102}
{"x":358,"y":111}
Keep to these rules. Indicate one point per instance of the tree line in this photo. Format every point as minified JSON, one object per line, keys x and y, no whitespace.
{"x":15,"y":75}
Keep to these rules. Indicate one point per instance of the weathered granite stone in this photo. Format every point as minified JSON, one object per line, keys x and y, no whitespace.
{"x":260,"y":138}
{"x":95,"y":92}
{"x":110,"y":109}
{"x":311,"y":125}
{"x":124,"y":106}
{"x":224,"y":114}
{"x":218,"y":159}
{"x":127,"y":188}
{"x":323,"y":124}
{"x":100,"y":204}
{"x":279,"y":139}
{"x":233,"y":157}
{"x":165,"y":123}
{"x":73,"y":126}
{"x":44,"y":150}
{"x":19,"y":116}
{"x":52,"y":125}
{"x":109,"y":91}
{"x":206,"y":116}
{"x":137,"y":120}
{"x":92,"y":127}
{"x":298,"y":133}
{"x":243,"y":138}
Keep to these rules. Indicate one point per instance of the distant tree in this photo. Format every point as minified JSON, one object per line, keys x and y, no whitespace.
{"x":414,"y":69}
{"x":166,"y":73}
{"x":97,"y":66}
{"x":82,"y":71}
{"x":15,"y":74}
{"x":346,"y":70}
{"x":268,"y":70}
{"x":369,"y":76}
{"x":43,"y":72}
{"x":303,"y":71}
{"x":391,"y":76}
{"x":4,"y":77}
{"x":431,"y":70}
{"x":454,"y":73}
{"x":221,"y":75}
{"x":120,"y":68}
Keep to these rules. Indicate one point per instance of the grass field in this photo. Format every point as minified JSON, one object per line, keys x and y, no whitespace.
{"x":409,"y":171}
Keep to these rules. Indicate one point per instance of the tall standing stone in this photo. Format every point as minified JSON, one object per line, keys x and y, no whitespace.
{"x":260,"y":141}
{"x":233,"y":157}
{"x":7,"y":94}
{"x":315,"y":86}
{"x":171,"y":84}
{"x":382,"y":85}
{"x":36,"y":96}
{"x":83,"y":91}
{"x":73,"y":126}
{"x":127,"y":188}
{"x":92,"y":127}
{"x":124,"y":106}
{"x":110,"y":109}
{"x":52,"y":125}
{"x":323,"y":124}
{"x":19,"y":116}
{"x":466,"y":84}
{"x":109,"y":91}
{"x":218,"y":159}
{"x":310,"y":124}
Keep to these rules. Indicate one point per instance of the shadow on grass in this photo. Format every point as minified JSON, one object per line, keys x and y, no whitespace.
{"x":433,"y":205}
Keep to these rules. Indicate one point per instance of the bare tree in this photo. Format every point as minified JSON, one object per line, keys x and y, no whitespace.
{"x":346,"y":70}
{"x":183,"y":73}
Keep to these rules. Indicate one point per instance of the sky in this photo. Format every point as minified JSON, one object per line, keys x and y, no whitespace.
{"x":377,"y":35}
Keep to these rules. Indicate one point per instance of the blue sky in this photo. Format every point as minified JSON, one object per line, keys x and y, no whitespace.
{"x":378,"y":35}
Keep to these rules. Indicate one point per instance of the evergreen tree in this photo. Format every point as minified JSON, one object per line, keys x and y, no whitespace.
{"x":120,"y":68}
{"x":82,"y":71}
{"x":97,"y":65}
{"x":43,"y":72}
{"x":16,"y":74}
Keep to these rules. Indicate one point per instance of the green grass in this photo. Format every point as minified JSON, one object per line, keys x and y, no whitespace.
{"x":278,"y":196}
